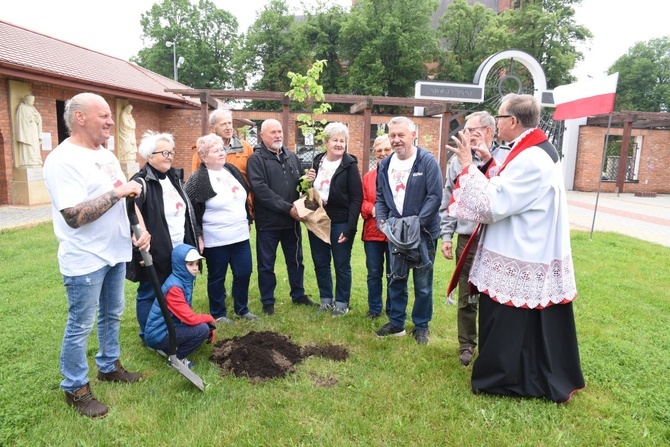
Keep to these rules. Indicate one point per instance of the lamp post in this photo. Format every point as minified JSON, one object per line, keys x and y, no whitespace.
{"x":174,"y":56}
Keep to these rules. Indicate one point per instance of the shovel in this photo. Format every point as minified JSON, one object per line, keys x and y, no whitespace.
{"x":173,"y":361}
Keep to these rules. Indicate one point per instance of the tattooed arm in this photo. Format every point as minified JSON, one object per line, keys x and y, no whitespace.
{"x":91,"y":210}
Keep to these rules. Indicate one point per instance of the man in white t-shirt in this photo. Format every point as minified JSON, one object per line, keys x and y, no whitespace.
{"x":409,"y":186}
{"x":88,"y":190}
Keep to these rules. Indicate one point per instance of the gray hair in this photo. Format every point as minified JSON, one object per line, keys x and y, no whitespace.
{"x":485,"y":119}
{"x":401,"y":120}
{"x":78,"y":103}
{"x":333,"y":129}
{"x":218,"y":112}
{"x":150,"y":141}
{"x":524,"y":107}
{"x":206,"y":143}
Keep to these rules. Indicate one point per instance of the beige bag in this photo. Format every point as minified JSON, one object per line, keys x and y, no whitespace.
{"x":311,"y":211}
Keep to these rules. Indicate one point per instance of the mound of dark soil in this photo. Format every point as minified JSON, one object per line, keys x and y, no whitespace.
{"x":267,"y":355}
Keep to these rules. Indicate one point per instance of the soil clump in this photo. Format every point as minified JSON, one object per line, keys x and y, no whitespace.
{"x":267,"y":355}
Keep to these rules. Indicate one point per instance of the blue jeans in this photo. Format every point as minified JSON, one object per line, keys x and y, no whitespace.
{"x":188,"y":339}
{"x":422,"y":312}
{"x":143,"y":302}
{"x":375,"y":251}
{"x":101,"y":290}
{"x":341,"y":256}
{"x":267,"y":242}
{"x":238,"y":255}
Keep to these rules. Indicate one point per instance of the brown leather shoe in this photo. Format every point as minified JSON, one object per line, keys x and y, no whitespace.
{"x":466,"y":353}
{"x":85,"y":403}
{"x":119,"y":374}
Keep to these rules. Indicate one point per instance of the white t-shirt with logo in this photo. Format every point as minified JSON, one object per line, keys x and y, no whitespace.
{"x":399,"y":171}
{"x":175,"y":211}
{"x":75,"y":174}
{"x":324,"y":176}
{"x":225,"y":219}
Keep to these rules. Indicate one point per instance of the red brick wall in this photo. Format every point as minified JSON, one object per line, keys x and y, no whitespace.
{"x":429,"y":129}
{"x":654,"y":160}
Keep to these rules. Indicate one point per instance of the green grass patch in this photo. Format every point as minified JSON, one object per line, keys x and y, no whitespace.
{"x":389,"y":392}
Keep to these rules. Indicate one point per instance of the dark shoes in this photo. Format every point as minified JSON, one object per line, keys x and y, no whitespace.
{"x":305,"y":301}
{"x":119,"y":375}
{"x":85,"y":403}
{"x":269,"y":309}
{"x":465,"y":356}
{"x":421,"y":336}
{"x":373,"y":315}
{"x":390,"y":329}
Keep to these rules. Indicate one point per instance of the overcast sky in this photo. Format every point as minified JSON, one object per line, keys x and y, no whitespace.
{"x":113,"y":27}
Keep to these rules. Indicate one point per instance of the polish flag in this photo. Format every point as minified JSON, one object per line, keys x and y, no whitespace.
{"x":592,"y":97}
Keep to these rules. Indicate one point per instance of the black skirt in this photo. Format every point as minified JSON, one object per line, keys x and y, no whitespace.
{"x":527,"y":352}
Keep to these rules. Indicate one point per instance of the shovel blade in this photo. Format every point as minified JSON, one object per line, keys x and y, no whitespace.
{"x":186,"y":372}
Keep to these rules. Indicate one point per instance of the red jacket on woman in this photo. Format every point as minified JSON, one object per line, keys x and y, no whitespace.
{"x":370,"y":230}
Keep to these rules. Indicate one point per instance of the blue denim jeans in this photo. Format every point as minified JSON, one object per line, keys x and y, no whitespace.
{"x":341,"y":256}
{"x":143,"y":302}
{"x":375,"y":252}
{"x":267,"y":242}
{"x":101,"y":290}
{"x":188,"y":339}
{"x":238,"y":255}
{"x":422,"y":312}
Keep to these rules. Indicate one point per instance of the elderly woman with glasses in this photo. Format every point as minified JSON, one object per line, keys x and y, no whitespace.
{"x":167,"y":214}
{"x":220,"y":194}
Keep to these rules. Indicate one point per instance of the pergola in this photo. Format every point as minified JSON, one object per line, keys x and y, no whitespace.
{"x":629,"y":120}
{"x":359,"y":103}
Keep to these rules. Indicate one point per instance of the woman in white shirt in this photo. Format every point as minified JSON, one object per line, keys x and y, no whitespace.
{"x":219,"y":194}
{"x":338,"y":181}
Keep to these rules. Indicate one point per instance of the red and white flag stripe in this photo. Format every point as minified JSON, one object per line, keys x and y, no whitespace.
{"x":592,"y":97}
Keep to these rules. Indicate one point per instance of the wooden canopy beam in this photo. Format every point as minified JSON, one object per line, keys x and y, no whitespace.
{"x":330,"y":97}
{"x":365,"y":104}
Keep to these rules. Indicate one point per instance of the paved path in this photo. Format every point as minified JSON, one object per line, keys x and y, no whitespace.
{"x":646,"y":218}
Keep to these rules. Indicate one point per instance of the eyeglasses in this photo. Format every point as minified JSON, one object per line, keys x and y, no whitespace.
{"x":165,"y":154}
{"x":497,"y":117}
{"x":474,"y":129}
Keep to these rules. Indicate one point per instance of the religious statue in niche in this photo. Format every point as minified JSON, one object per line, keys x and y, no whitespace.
{"x":28,"y":133}
{"x":127,"y":145}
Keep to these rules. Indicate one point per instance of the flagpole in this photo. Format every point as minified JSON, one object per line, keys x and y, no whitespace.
{"x":600,"y":177}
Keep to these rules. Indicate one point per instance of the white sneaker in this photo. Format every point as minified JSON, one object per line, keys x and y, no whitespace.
{"x":340,"y":311}
{"x":224,"y":320}
{"x":189,"y":364}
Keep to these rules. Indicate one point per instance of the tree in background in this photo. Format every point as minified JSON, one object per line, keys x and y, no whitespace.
{"x":271,"y":49}
{"x":644,"y":77}
{"x":546,"y":29}
{"x":206,"y":37}
{"x":386,"y":44}
{"x":469,"y":35}
{"x":320,"y":36}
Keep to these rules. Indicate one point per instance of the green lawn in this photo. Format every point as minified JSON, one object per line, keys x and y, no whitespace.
{"x":389,"y":392}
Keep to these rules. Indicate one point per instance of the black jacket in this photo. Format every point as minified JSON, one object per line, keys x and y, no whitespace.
{"x":273,"y":180}
{"x":346,"y":193}
{"x":199,"y":190}
{"x":150,"y":204}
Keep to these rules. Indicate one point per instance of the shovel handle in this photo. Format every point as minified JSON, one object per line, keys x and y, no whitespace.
{"x":153,"y":277}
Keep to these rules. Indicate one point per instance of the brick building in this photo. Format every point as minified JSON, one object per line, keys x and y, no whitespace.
{"x":53,"y":71}
{"x":646,"y":137}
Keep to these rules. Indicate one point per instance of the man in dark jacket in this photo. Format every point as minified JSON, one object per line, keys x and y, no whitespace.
{"x":409,"y":183}
{"x":274,"y":172}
